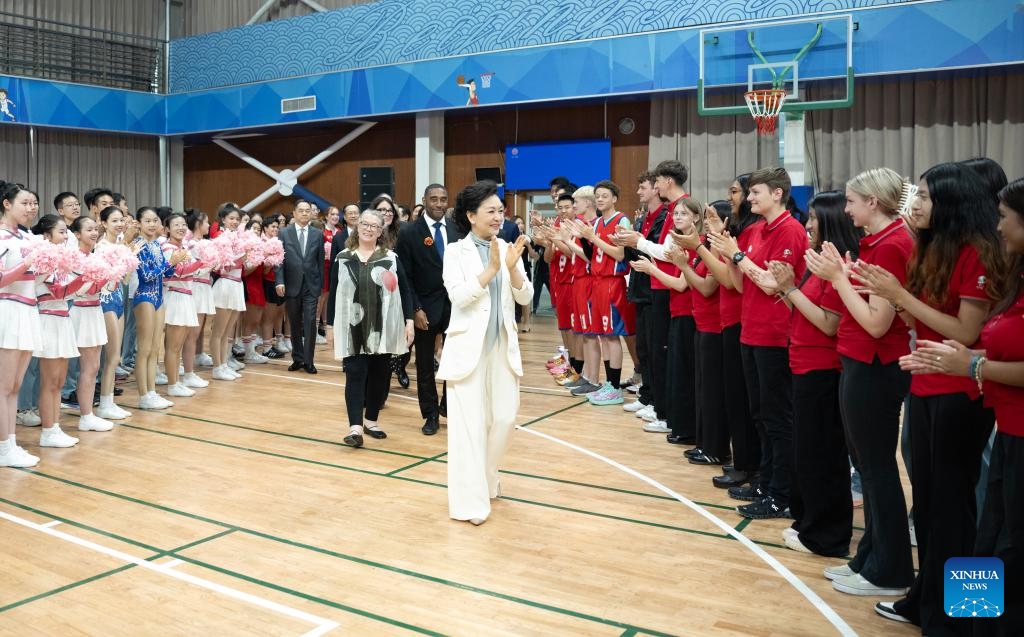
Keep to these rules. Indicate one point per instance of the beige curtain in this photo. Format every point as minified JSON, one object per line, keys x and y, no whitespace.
{"x":910,"y":124}
{"x":714,"y":149}
{"x":62,"y":160}
{"x":203,"y":16}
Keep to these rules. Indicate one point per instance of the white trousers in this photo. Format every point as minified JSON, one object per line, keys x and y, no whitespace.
{"x":481,"y":414}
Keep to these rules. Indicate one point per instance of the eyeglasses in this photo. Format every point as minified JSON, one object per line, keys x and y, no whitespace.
{"x":369,"y":226}
{"x":386,"y":211}
{"x":71,"y":204}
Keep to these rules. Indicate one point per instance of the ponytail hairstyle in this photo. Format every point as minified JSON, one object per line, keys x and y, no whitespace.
{"x":76,"y":225}
{"x":884,"y":184}
{"x":46,"y":225}
{"x":172,"y":216}
{"x":141,"y":212}
{"x":109,"y":210}
{"x":195,"y":217}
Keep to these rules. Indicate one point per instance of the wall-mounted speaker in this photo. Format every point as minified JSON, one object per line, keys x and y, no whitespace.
{"x":374,"y":180}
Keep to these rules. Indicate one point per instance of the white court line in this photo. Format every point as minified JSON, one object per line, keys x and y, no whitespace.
{"x":318,"y":382}
{"x":172,"y":563}
{"x":322,"y":625}
{"x":820,"y":604}
{"x":51,"y":523}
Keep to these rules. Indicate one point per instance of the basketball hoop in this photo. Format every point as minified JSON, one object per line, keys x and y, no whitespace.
{"x":765,"y":106}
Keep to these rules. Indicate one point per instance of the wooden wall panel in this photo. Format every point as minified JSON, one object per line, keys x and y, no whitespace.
{"x":472,"y":140}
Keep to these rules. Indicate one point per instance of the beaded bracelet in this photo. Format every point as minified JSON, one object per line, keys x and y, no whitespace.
{"x":977,"y":362}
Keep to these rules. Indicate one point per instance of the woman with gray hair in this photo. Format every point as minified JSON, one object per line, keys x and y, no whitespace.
{"x":372,"y":318}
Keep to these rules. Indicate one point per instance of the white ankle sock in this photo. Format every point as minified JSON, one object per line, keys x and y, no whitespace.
{"x":107,"y":402}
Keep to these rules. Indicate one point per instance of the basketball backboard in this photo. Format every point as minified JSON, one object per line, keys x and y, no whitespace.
{"x":792,"y":55}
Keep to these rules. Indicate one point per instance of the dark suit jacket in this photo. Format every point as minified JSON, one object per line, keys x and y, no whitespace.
{"x":509,"y":232}
{"x":423,"y":265}
{"x":298,"y":269}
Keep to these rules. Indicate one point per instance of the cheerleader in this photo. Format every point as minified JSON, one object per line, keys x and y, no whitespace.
{"x":90,"y":332}
{"x":20,"y":333}
{"x":112,"y":220}
{"x":202,"y":298}
{"x":255,"y":304}
{"x":58,"y":343}
{"x":229,"y":299}
{"x":273,"y":313}
{"x":148,"y":305}
{"x":180,"y":313}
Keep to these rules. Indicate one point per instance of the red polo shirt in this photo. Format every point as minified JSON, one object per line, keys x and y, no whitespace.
{"x":706,"y":308}
{"x":665,"y":266}
{"x":889,"y":249}
{"x":681,"y":303}
{"x":765,"y":318}
{"x":1001,"y":338}
{"x":810,"y":349}
{"x":966,"y":282}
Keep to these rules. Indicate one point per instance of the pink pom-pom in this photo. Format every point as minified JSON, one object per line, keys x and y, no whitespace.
{"x":96,"y":269}
{"x":120,"y":258}
{"x":209,"y":253}
{"x":53,"y":258}
{"x":273,"y":252}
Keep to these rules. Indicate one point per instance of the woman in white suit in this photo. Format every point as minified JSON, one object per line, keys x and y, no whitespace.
{"x":485,"y":280}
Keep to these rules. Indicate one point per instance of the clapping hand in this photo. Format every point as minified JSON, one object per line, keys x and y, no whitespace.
{"x":783,"y":273}
{"x":179,"y":256}
{"x":712,"y":222}
{"x":624,"y":237}
{"x":688,"y":241}
{"x":828,"y":264}
{"x":724,"y":243}
{"x":643,"y":264}
{"x":932,"y":357}
{"x":514,"y":253}
{"x":876,"y":280}
{"x":677,"y":256}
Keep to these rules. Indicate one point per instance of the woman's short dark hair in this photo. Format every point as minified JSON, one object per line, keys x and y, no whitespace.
{"x":834,"y":225}
{"x":46,"y":224}
{"x":76,"y":225}
{"x":469,"y":199}
{"x":143,"y":210}
{"x":109,"y":210}
{"x":174,"y":215}
{"x":272,"y":218}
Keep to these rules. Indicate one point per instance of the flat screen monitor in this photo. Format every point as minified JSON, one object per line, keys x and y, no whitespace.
{"x":532,"y":166}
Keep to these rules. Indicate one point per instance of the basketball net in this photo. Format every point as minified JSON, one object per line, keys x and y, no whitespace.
{"x":765,"y":106}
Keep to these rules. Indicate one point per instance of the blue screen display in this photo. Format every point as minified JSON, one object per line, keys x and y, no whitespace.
{"x":532,"y":166}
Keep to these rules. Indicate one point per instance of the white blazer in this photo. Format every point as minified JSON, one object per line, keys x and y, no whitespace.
{"x":471,"y":307}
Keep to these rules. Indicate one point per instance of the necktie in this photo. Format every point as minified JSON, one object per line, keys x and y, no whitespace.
{"x":302,"y":241}
{"x":439,"y":239}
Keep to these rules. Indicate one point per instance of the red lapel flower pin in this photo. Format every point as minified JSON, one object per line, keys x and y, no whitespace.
{"x":428,"y":241}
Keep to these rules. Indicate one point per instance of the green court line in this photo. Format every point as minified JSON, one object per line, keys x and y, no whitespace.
{"x":415,"y":464}
{"x":742,"y":525}
{"x":114,"y":536}
{"x":629,"y":633}
{"x":88,"y":580}
{"x":554,"y":413}
{"x":351,"y":558}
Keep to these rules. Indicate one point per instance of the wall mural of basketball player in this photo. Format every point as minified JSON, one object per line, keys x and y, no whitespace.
{"x":6,"y":107}
{"x":470,"y":86}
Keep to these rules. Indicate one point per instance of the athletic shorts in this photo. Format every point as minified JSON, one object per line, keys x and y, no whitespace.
{"x":610,"y":312}
{"x":561,"y":296}
{"x":581,"y":305}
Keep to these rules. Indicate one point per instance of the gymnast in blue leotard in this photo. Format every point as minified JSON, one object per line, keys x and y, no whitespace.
{"x":148,"y":305}
{"x":114,"y":224}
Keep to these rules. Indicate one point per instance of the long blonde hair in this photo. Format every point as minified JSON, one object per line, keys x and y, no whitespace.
{"x":884,"y":184}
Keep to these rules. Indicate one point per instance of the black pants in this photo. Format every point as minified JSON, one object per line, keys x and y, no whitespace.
{"x":301,"y":310}
{"x":643,"y":352}
{"x":820,"y":498}
{"x":946,"y":441}
{"x":366,"y":378}
{"x":770,"y":389}
{"x":680,"y":384}
{"x":426,"y":386}
{"x":870,"y":396}
{"x":658,"y":347}
{"x":746,"y":446}
{"x":1001,"y":533}
{"x":540,"y":279}
{"x":712,"y":425}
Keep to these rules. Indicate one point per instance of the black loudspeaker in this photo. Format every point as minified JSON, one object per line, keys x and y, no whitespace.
{"x":374,"y":180}
{"x":489,"y":174}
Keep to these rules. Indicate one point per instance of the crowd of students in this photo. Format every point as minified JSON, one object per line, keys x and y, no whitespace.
{"x":778,"y":345}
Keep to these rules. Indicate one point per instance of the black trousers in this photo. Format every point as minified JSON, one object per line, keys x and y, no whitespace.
{"x":658,"y":348}
{"x":870,"y":396}
{"x":1001,"y":533}
{"x":643,"y":352}
{"x":820,"y":498}
{"x":301,"y":310}
{"x":426,"y":386}
{"x":946,"y":441}
{"x":680,"y":383}
{"x":770,"y":389}
{"x":540,"y":279}
{"x":746,"y":445}
{"x":366,"y":378}
{"x":712,"y":426}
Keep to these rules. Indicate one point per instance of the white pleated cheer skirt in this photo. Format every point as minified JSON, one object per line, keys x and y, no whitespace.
{"x":90,"y":329}
{"x":229,"y":295}
{"x":202,"y":298}
{"x":19,"y":326}
{"x":181,"y":310}
{"x":58,"y":337}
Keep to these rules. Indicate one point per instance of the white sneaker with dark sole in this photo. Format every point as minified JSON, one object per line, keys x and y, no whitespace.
{"x":835,"y":572}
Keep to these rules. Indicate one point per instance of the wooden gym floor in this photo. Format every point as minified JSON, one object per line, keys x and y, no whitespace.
{"x":240,"y":512}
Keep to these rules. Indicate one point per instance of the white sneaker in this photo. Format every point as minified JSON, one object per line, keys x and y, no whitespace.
{"x":18,"y":458}
{"x":841,"y":570}
{"x":29,"y":418}
{"x":284,"y":344}
{"x":223,"y":373}
{"x":235,"y":365}
{"x":192,"y":380}
{"x":633,"y":389}
{"x":178,"y":390}
{"x":255,"y":358}
{"x":657,"y":427}
{"x":204,"y":360}
{"x":856,"y":584}
{"x":151,"y":401}
{"x":112,"y":412}
{"x":634,"y":406}
{"x":791,"y":538}
{"x":92,"y":422}
{"x":161,"y":378}
{"x":160,"y":400}
{"x":237,"y":348}
{"x":647,"y":413}
{"x":54,"y":437}
{"x":321,"y":340}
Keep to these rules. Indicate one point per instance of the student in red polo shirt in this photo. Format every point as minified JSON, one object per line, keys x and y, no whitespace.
{"x":765,"y":337}
{"x":872,"y":387}
{"x":585,"y":207}
{"x":999,"y":369}
{"x":957,"y":273}
{"x":561,"y":258}
{"x":821,"y":502}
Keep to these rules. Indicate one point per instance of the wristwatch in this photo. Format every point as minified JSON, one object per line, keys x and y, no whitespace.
{"x":739,"y":256}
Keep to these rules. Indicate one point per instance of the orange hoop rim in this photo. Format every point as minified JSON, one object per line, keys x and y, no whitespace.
{"x":765,"y":106}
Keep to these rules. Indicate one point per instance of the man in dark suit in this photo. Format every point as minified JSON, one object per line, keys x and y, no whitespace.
{"x":421,"y":245}
{"x":299,"y":280}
